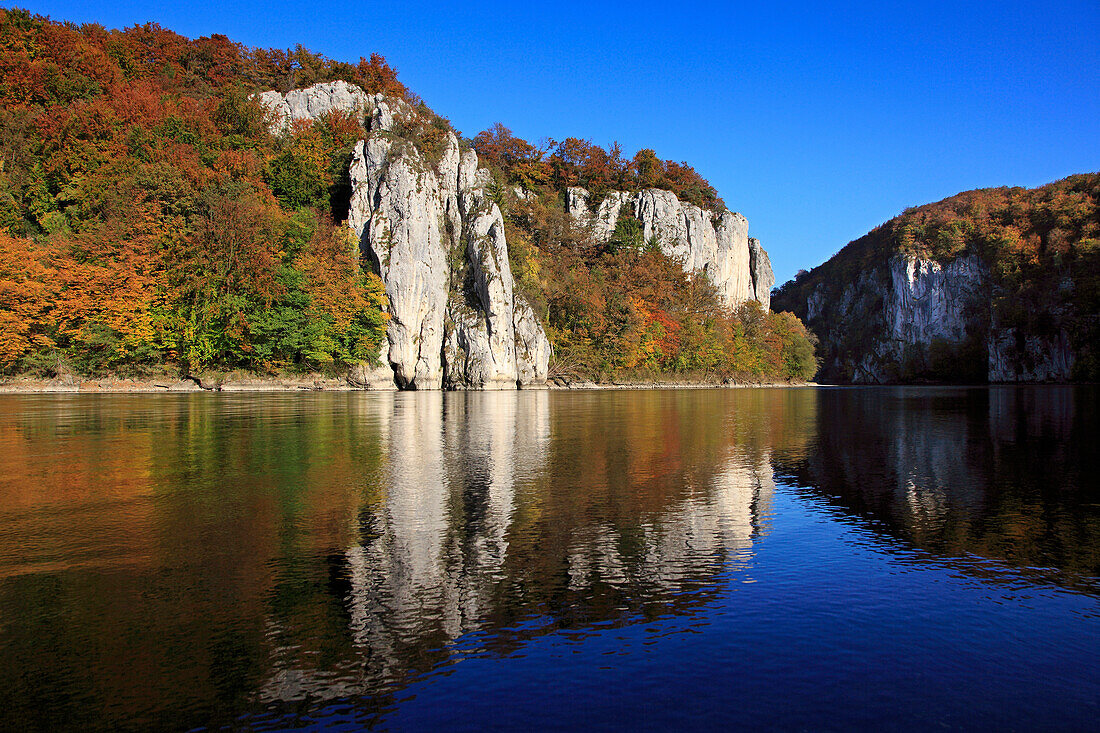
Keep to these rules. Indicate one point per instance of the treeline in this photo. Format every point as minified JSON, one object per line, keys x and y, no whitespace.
{"x":149,"y":218}
{"x":576,"y":162}
{"x":1042,"y":246}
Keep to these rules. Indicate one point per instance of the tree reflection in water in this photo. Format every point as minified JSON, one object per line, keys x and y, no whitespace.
{"x":512,"y":515}
{"x":981,"y":475}
{"x":176,"y":561}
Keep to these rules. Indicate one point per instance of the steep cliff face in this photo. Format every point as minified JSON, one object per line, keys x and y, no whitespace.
{"x":917,"y":318}
{"x":438,"y":243}
{"x":718,"y":245}
{"x":760,"y":268}
{"x":902,"y":318}
{"x":427,"y":225}
{"x":997,"y":284}
{"x":1016,"y":357}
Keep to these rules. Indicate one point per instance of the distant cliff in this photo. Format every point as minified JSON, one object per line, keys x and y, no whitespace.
{"x":715,"y":244}
{"x":998,"y":285}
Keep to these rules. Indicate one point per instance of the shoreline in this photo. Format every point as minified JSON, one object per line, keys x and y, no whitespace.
{"x":317,"y":383}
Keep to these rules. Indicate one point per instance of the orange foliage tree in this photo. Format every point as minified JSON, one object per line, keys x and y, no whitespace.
{"x":150,"y":217}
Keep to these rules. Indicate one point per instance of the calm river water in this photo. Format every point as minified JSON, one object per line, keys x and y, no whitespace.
{"x":909,"y":558}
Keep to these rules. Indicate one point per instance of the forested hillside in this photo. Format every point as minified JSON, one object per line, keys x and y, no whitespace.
{"x":150,"y":219}
{"x":1022,"y":264}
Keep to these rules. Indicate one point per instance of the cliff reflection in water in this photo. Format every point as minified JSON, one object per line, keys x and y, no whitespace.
{"x":186,"y":560}
{"x":524,"y":513}
{"x":999,"y":473}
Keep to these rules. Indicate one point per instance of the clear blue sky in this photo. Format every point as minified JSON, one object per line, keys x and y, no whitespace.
{"x":817,"y":122}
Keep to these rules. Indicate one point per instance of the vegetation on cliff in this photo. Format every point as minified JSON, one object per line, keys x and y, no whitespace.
{"x":149,"y":218}
{"x":1042,"y":248}
{"x":576,"y":162}
{"x":623,"y":309}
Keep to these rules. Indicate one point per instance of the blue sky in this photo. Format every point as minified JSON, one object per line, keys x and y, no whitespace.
{"x":816,"y":121}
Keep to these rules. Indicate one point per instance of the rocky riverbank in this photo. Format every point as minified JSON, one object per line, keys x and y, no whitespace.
{"x":307,"y":383}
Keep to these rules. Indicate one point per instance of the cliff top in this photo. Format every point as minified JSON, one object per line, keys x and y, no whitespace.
{"x":1008,"y":226}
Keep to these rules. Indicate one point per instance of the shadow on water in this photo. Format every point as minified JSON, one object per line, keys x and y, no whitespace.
{"x":179,"y":561}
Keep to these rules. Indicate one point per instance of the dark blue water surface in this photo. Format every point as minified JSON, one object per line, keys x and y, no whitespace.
{"x":825,"y":559}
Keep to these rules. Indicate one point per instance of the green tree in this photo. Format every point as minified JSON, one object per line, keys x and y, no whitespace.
{"x":629,"y":233}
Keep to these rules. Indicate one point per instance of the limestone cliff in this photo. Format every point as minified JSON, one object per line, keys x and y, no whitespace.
{"x":997,"y":285}
{"x":718,"y":245}
{"x":426,"y":220}
{"x":895,"y":318}
{"x":437,"y":241}
{"x":321,"y":99}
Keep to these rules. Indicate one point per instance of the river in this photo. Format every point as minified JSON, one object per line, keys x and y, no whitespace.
{"x":821,"y":558}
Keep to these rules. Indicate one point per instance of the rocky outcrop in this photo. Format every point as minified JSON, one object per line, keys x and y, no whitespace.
{"x":437,"y":241}
{"x":984,"y":286}
{"x":894,"y":320}
{"x":717,"y":245}
{"x":928,"y":301}
{"x":576,"y":204}
{"x":321,"y":99}
{"x":760,"y":268}
{"x":532,"y":347}
{"x":439,"y":245}
{"x":397,"y":213}
{"x":1015,"y":357}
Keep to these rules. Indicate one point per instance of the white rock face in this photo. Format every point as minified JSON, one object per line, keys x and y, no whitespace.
{"x":397,"y":211}
{"x":730,"y":269}
{"x":467,"y":352}
{"x":762,"y":276}
{"x":663,"y":217}
{"x":930,"y":301}
{"x":719,"y":247}
{"x":576,"y":204}
{"x":532,"y":346}
{"x":923,"y":302}
{"x":607,"y":214}
{"x":900,"y":311}
{"x":439,"y":245}
{"x":485,"y":340}
{"x":908,"y":317}
{"x":320,"y":99}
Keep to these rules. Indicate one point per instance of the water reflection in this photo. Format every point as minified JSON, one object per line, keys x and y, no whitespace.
{"x":176,"y":561}
{"x":977,"y":474}
{"x":492,"y":516}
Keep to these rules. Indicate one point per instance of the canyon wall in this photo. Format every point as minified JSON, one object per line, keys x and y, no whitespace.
{"x":918,"y":318}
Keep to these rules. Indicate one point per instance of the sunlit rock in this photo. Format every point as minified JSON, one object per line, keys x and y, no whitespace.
{"x":716,"y":245}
